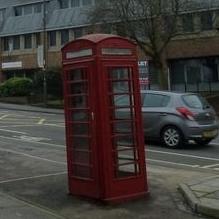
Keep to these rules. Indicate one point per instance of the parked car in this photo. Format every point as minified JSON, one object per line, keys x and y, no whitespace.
{"x":175,"y":118}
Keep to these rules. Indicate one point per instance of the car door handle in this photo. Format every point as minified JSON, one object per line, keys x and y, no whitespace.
{"x":163,"y":114}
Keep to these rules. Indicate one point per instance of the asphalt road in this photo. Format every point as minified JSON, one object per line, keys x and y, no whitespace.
{"x":46,"y":133}
{"x":33,"y":169}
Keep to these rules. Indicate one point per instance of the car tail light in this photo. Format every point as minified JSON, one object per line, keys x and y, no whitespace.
{"x":186,"y":113}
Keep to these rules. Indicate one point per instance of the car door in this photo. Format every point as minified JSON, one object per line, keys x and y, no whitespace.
{"x":154,"y":111}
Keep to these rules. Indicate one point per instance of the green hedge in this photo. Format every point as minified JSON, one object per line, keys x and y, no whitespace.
{"x":16,"y":87}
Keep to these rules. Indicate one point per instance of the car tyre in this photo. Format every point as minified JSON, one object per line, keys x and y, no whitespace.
{"x":172,"y":137}
{"x":202,"y":142}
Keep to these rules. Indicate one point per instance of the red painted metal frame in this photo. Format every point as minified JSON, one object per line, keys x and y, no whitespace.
{"x":104,"y":184}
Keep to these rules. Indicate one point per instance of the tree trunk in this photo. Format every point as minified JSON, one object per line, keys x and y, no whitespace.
{"x":162,"y":69}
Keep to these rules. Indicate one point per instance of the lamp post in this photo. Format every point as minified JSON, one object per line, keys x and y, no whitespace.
{"x":44,"y":55}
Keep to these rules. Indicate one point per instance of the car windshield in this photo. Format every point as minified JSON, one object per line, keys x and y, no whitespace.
{"x":195,"y":101}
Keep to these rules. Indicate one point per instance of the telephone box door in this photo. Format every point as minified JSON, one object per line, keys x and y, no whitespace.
{"x":127,"y":146}
{"x":80,"y":131}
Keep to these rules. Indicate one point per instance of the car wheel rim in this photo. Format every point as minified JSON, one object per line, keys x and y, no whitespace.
{"x":171,"y":137}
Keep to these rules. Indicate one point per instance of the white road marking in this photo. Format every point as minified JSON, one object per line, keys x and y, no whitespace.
{"x":31,"y":138}
{"x":33,"y":177}
{"x":167,"y":162}
{"x":210,"y":166}
{"x":43,"y":143}
{"x":31,"y":156}
{"x":14,"y":126}
{"x":41,"y":121}
{"x":5,"y":130}
{"x":56,"y":125}
{"x":182,"y":155}
{"x":4,"y":116}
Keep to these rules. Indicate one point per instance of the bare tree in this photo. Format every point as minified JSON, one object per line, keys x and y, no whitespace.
{"x":151,"y":23}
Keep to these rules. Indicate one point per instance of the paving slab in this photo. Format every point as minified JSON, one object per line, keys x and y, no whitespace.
{"x":203,"y":195}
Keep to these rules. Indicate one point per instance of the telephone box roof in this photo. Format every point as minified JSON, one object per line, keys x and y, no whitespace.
{"x":96,"y":38}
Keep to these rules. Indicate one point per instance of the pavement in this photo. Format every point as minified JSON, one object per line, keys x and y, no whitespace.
{"x":202,"y":195}
{"x":174,"y":194}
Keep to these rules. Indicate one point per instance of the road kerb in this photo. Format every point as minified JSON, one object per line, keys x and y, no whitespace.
{"x":189,"y":196}
{"x":207,"y":209}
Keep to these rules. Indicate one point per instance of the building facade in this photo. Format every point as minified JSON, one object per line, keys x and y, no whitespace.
{"x":32,"y":33}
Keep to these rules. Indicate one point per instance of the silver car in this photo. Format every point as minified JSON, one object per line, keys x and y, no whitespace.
{"x":175,"y":118}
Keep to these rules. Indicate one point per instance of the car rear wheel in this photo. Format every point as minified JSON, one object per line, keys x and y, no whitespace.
{"x":172,"y":137}
{"x":202,"y":142}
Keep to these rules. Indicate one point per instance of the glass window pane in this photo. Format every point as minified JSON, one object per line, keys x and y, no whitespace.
{"x":81,"y":157}
{"x":124,"y":113}
{"x":155,"y":100}
{"x":27,"y":9}
{"x":124,"y":141}
{"x":64,"y":3}
{"x":37,"y":8}
{"x":75,"y":3}
{"x":78,"y":88}
{"x":80,"y":143}
{"x":130,"y":171}
{"x":6,"y":43}
{"x":86,"y":2}
{"x":206,"y":21}
{"x":16,"y":42}
{"x":119,"y":74}
{"x":27,"y":41}
{"x":187,"y":21}
{"x":78,"y":102}
{"x":64,"y":36}
{"x":76,"y":74}
{"x":120,"y":86}
{"x":81,"y":171}
{"x":194,"y":101}
{"x":80,"y":128}
{"x":79,"y":116}
{"x":122,"y":127}
{"x":122,"y":100}
{"x":18,"y":11}
{"x":78,"y":32}
{"x":38,"y":39}
{"x":52,"y":38}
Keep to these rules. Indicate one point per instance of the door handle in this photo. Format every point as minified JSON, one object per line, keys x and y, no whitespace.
{"x":92,"y":115}
{"x":163,"y":114}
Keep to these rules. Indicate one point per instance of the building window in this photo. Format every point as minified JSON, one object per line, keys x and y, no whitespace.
{"x":18,"y":11}
{"x":37,"y":8}
{"x":64,"y":36}
{"x":78,"y":32}
{"x":52,"y":38}
{"x":86,"y":2}
{"x":28,"y":41}
{"x":5,"y":44}
{"x":64,"y":4}
{"x":206,"y":21}
{"x":187,"y":23}
{"x":38,"y":39}
{"x":75,"y":3}
{"x":16,"y":42}
{"x":27,"y":9}
{"x":2,"y":14}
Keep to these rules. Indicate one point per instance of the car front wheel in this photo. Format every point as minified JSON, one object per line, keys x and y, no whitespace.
{"x":172,"y":137}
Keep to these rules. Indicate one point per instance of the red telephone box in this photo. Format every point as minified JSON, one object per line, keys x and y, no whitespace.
{"x":104,"y":134}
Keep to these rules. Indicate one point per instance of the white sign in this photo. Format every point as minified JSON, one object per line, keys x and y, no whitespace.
{"x":80,"y":53}
{"x":40,"y":56}
{"x":116,"y":51}
{"x":6,"y":65}
{"x":142,"y":63}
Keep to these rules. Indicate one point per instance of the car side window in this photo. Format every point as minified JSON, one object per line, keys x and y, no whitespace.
{"x":155,"y":100}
